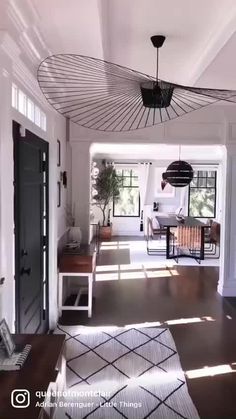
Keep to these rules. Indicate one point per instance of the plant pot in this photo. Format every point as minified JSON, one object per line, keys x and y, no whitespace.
{"x":105,"y":232}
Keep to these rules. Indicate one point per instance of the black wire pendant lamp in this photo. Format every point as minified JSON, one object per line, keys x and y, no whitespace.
{"x":178,"y":174}
{"x":104,"y":96}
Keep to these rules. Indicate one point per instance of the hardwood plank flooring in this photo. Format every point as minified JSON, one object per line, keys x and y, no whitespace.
{"x":185,"y":299}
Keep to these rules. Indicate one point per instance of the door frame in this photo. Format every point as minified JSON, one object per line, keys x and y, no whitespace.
{"x":16,"y":138}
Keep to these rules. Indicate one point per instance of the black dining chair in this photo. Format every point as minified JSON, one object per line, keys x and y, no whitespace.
{"x":155,"y":233}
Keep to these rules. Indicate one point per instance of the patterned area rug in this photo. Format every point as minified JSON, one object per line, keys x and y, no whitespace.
{"x":119,"y":373}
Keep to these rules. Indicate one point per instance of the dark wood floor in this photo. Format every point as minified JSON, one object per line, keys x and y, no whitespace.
{"x":183,"y":298}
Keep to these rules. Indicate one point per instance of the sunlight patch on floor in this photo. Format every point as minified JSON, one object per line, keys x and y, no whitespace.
{"x":173,"y":322}
{"x":114,"y":247}
{"x":110,"y":328}
{"x":161,"y":273}
{"x":113,"y":243}
{"x":111,"y":276}
{"x":132,"y":275}
{"x":105,"y":268}
{"x":134,"y":271}
{"x":189,"y":320}
{"x":210,"y":371}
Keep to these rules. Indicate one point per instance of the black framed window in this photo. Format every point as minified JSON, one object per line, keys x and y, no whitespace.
{"x":128,"y":204}
{"x":202,"y":194}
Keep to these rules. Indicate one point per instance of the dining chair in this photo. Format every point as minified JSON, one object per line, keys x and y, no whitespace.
{"x":155,"y":232}
{"x":212,"y":240}
{"x":187,"y":242}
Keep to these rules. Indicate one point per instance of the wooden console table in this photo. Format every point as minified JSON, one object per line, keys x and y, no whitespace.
{"x":81,"y":263}
{"x":44,"y":365}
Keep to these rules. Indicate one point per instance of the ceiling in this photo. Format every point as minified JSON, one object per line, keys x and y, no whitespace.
{"x":129,"y":152}
{"x":199,"y":47}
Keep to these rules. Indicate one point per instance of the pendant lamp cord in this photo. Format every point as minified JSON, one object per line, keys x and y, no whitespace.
{"x":157,"y":65}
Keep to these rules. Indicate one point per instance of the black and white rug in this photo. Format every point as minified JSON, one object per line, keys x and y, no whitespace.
{"x":131,"y":373}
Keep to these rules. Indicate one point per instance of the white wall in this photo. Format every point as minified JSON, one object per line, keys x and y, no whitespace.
{"x":12,"y":69}
{"x":81,"y":163}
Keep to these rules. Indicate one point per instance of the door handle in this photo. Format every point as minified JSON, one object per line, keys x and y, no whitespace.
{"x":25,"y":271}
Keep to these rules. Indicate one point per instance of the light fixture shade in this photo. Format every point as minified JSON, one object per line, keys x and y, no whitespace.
{"x":178,"y":174}
{"x":104,"y":96}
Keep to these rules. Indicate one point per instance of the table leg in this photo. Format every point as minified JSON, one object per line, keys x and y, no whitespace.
{"x":98,"y":237}
{"x":90,"y":294}
{"x":202,"y":243}
{"x":167,"y":242}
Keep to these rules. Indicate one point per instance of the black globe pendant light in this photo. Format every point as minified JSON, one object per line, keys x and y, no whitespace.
{"x":178,"y":174}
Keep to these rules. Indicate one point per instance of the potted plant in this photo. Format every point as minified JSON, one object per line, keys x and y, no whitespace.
{"x":107,"y":186}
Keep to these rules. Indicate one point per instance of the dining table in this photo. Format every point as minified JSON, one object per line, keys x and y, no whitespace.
{"x":169,"y":221}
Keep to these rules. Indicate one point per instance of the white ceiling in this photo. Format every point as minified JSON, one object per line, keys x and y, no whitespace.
{"x":129,"y":152}
{"x":198,"y":32}
{"x":199,"y":49}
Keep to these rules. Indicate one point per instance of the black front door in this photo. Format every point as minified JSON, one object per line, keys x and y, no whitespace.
{"x":31,"y":231}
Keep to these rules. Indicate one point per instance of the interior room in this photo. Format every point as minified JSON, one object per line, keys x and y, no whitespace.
{"x":117,"y":209}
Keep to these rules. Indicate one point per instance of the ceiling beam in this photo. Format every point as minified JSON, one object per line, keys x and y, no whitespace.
{"x":218,"y":39}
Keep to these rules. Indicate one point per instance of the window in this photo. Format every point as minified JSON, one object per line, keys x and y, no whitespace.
{"x":37,"y":116}
{"x":202,"y":195}
{"x":30,"y":110}
{"x":128,"y":204}
{"x":26,"y":106}
{"x":14,"y":98}
{"x":22,"y":103}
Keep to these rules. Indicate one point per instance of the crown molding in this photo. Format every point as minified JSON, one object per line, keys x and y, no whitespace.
{"x":9,"y":46}
{"x":18,"y":69}
{"x":24,"y":29}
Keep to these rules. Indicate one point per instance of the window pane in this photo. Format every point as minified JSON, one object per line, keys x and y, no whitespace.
{"x":22,"y":103}
{"x":194,"y":183}
{"x":211,"y":174}
{"x":43,"y":121}
{"x":134,"y":181}
{"x":14,"y":96}
{"x":37,"y":116}
{"x":134,"y":173}
{"x":202,"y":203}
{"x":210,"y":183}
{"x":119,"y":172}
{"x":30,"y":110}
{"x":128,"y":203}
{"x":126,"y":181}
{"x":126,"y":172}
{"x":202,"y":182}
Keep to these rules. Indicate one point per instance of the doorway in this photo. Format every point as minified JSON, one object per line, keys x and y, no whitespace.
{"x":31,"y":231}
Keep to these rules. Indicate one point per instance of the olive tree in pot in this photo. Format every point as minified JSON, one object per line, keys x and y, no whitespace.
{"x":107,"y":186}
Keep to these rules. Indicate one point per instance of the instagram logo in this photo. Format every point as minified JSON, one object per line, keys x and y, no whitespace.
{"x":20,"y":398}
